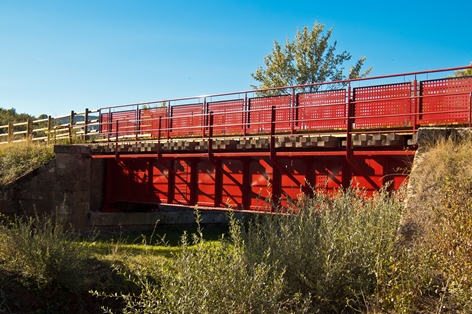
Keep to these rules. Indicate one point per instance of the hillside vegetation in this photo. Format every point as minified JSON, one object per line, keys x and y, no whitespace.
{"x":19,"y":158}
{"x":342,"y":253}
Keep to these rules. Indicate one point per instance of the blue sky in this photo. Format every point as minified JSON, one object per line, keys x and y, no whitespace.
{"x":57,"y":56}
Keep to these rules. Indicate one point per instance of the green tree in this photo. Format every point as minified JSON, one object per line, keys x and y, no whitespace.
{"x":10,"y":115}
{"x":465,"y":72}
{"x":308,"y":59}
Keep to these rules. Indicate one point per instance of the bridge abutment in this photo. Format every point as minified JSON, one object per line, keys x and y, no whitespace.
{"x":70,"y":186}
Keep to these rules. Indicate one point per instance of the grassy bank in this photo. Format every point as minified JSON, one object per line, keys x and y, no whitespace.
{"x":19,"y":158}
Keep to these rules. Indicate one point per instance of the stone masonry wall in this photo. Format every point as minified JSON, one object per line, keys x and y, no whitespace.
{"x":71,"y":185}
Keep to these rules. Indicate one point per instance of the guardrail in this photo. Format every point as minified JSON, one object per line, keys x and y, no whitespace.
{"x":67,"y":128}
{"x":377,"y":104}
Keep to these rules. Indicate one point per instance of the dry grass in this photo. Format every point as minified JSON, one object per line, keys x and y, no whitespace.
{"x":19,"y":158}
{"x":433,"y":272}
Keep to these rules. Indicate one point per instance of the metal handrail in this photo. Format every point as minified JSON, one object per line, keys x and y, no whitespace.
{"x":138,"y":126}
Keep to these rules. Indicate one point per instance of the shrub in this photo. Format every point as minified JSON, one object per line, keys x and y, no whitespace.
{"x":42,"y":267}
{"x":205,"y":278}
{"x":336,"y":250}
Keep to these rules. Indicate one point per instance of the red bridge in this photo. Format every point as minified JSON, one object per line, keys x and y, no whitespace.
{"x":248,"y":152}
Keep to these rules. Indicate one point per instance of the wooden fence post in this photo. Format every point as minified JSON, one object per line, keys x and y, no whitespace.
{"x":10,"y":132}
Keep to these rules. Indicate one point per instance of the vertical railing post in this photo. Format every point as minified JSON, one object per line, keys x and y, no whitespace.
{"x":71,"y":118}
{"x":116,"y":140}
{"x":86,"y":118}
{"x":137,"y":124}
{"x":71,"y":124}
{"x":349,"y":127}
{"x":109,"y":125}
{"x":245,"y":117}
{"x":100,"y":122}
{"x":415,"y":104}
{"x":272,"y":132}
{"x":10,"y":132}
{"x":346,"y":164}
{"x":169,"y":120}
{"x":470,"y":110}
{"x":205,"y":119}
{"x":29,"y":130}
{"x":210,"y":134}
{"x":275,"y":178}
{"x":70,"y":134}
{"x":159,"y":138}
{"x":49,"y":128}
{"x":293,"y":108}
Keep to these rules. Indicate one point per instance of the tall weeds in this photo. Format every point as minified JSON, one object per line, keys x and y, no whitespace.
{"x":332,"y":255}
{"x":433,"y":271}
{"x":336,"y":250}
{"x":42,"y":253}
{"x":205,"y":278}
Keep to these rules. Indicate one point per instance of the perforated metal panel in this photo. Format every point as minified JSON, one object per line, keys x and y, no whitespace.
{"x":228,"y":116}
{"x":260,"y":113}
{"x":383,"y":106}
{"x":322,"y":110}
{"x":187,"y":120}
{"x":445,"y":101}
{"x":149,"y":121}
{"x":126,"y":122}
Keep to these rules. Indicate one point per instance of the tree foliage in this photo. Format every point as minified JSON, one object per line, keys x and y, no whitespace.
{"x":465,"y":72}
{"x":10,"y":115}
{"x":308,"y":59}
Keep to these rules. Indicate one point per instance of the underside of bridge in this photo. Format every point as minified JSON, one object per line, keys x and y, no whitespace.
{"x":247,"y":174}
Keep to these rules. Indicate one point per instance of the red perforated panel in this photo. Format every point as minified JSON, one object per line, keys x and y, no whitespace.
{"x":105,"y":127}
{"x":187,"y":120}
{"x":149,"y":121}
{"x":383,"y":106}
{"x":228,"y":116}
{"x":322,"y":110}
{"x":260,"y":113}
{"x":126,"y":122}
{"x":445,"y":101}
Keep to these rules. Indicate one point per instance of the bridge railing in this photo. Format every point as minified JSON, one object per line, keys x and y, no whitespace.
{"x":74,"y":127}
{"x":377,"y":104}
